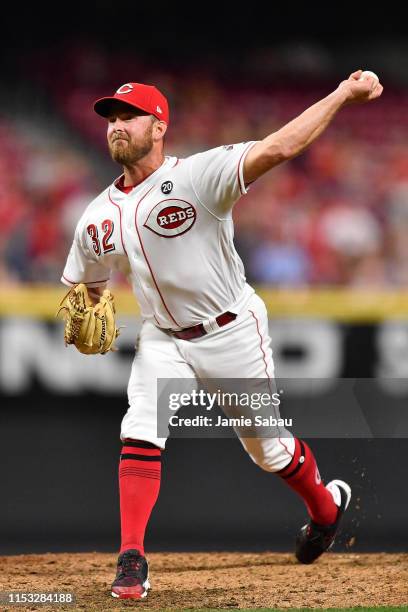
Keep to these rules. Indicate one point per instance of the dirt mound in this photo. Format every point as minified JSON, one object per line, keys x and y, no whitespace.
{"x":215,"y":580}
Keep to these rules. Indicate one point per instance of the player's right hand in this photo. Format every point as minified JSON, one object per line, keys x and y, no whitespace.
{"x":357,"y":92}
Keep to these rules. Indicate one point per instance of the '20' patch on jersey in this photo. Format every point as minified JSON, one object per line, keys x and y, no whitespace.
{"x":171,"y":218}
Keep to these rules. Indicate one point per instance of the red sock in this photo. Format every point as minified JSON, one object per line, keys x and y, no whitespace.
{"x":302,"y":475}
{"x":139,"y":484}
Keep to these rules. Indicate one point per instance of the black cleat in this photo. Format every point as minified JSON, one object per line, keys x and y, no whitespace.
{"x":313,"y":539}
{"x":132,"y":577}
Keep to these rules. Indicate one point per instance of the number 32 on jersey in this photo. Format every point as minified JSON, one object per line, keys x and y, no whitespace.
{"x":107,"y":228}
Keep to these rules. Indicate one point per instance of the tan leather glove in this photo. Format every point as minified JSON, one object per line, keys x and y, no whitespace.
{"x":92,"y":328}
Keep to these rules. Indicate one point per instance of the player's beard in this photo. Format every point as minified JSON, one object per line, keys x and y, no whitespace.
{"x":128,"y":153}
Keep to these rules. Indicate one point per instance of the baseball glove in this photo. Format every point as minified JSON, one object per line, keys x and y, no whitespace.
{"x":92,"y":328}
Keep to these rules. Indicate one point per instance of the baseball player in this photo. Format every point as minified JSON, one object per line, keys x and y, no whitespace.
{"x":168,"y":223}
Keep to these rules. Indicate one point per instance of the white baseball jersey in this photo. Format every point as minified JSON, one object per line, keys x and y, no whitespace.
{"x":173,"y":236}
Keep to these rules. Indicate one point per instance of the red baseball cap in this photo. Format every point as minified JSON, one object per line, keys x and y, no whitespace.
{"x":145,"y":97}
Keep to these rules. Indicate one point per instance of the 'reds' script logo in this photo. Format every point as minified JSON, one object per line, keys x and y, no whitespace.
{"x":171,"y":218}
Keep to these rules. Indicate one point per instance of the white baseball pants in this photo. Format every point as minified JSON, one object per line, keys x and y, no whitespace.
{"x":240,"y":349}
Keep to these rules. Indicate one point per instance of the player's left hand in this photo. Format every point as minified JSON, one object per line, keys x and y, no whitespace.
{"x":358,"y":91}
{"x":92,"y":328}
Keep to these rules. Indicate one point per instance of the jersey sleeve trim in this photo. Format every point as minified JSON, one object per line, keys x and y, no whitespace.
{"x":71,"y":283}
{"x":240,"y":169}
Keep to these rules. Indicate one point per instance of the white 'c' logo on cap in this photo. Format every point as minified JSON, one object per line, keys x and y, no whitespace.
{"x":124,"y":89}
{"x":158,"y":109}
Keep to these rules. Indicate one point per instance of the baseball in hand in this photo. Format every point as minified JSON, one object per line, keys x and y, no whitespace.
{"x":369,"y":73}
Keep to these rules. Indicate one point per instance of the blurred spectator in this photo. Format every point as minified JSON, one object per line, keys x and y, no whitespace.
{"x":279,"y":262}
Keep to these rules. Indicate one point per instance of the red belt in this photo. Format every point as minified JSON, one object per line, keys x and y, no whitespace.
{"x":189,"y":333}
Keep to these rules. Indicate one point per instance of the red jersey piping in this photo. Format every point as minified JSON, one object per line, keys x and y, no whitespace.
{"x":147,"y":261}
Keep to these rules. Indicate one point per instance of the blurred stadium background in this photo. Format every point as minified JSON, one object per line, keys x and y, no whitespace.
{"x":324,"y":237}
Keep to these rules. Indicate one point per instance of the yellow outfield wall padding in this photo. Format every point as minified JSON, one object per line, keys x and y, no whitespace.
{"x":343,"y":305}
